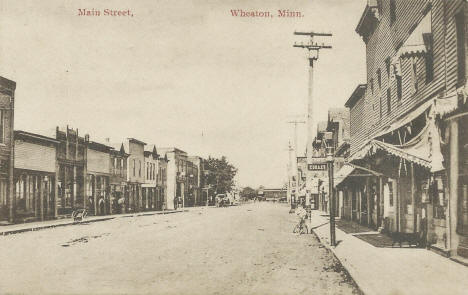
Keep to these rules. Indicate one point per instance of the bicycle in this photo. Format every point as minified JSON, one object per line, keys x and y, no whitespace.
{"x":301,"y":228}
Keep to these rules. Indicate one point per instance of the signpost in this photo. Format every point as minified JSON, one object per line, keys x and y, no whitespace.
{"x":331,"y":193}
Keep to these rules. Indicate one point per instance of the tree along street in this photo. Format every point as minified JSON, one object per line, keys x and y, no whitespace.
{"x":247,"y":249}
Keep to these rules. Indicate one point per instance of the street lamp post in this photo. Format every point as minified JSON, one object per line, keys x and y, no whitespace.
{"x":331,"y":193}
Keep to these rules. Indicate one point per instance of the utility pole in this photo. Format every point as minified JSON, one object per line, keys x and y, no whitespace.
{"x":313,"y":51}
{"x":290,"y":172}
{"x":294,"y":166}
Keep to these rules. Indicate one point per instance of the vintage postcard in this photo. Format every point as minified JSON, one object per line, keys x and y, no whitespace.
{"x":234,"y":147}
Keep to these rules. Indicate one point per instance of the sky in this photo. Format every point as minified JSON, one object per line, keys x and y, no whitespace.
{"x":181,"y":73}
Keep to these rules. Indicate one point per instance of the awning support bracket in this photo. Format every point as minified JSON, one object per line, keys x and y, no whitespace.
{"x":364,"y":169}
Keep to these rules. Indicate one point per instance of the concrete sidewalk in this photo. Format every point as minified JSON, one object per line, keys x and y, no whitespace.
{"x":393,"y":270}
{"x":39,"y":225}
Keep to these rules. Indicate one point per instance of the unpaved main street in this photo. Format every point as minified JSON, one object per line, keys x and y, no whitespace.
{"x":247,"y":249}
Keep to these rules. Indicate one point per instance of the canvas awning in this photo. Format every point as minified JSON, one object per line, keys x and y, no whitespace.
{"x":408,"y":154}
{"x":405,"y":119}
{"x":342,"y":174}
{"x":424,"y":148}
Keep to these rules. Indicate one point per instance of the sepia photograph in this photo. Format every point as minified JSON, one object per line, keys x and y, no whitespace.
{"x":244,"y":147}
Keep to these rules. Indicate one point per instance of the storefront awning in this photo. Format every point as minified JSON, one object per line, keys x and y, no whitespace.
{"x":350,"y":170}
{"x":342,"y":174}
{"x":405,"y":119}
{"x":406,"y":154}
{"x":424,"y":148}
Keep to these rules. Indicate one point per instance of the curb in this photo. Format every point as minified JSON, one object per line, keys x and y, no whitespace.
{"x":71,"y":222}
{"x":361,"y":286}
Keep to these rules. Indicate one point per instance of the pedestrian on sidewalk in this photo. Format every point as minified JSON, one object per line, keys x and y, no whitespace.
{"x":121,"y":204}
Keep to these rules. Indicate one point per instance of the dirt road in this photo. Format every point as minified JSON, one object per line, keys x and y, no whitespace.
{"x":247,"y":249}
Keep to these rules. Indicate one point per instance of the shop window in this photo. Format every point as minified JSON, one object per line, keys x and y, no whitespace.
{"x":387,"y":67}
{"x":462,"y":205}
{"x":439,"y":202}
{"x":389,"y":102}
{"x":2,"y":126}
{"x":414,"y":75}
{"x":380,"y":107}
{"x":429,"y":57}
{"x":379,"y":78}
{"x":71,"y":150}
{"x":379,"y":7}
{"x":390,"y":193}
{"x":399,"y":87}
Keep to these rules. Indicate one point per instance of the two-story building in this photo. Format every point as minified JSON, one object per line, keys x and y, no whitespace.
{"x":316,"y":172}
{"x":338,"y":129}
{"x":151,"y":170}
{"x":193,"y":188}
{"x":198,"y":180}
{"x":135,"y":174}
{"x":7,"y":107}
{"x":176,"y":177}
{"x":98,"y":168}
{"x":161,"y":183}
{"x":118,"y":178}
{"x":35,"y":176}
{"x":71,"y":162}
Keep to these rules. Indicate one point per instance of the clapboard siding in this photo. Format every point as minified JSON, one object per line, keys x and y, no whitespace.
{"x":385,"y":41}
{"x":34,"y":156}
{"x":98,"y":161}
{"x":452,"y":8}
{"x":358,"y":123}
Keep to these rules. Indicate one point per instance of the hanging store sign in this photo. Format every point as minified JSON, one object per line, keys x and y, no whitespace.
{"x":317,"y":167}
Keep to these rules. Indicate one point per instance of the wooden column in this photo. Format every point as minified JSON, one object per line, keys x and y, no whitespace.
{"x":451,"y":218}
{"x":11,"y":185}
{"x":93,"y":189}
{"x":35,"y":196}
{"x":398,"y":204}
{"x":74,"y":193}
{"x":380,"y":206}
{"x":65,"y":185}
{"x":26,"y":193}
{"x":41,"y":196}
{"x":413,"y":197}
{"x":140,"y":199}
{"x":368,"y":197}
{"x":111,"y":199}
{"x":56,"y":192}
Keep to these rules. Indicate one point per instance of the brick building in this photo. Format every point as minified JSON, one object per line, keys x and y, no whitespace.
{"x":71,"y":166}
{"x":7,"y":110}
{"x":118,"y":178}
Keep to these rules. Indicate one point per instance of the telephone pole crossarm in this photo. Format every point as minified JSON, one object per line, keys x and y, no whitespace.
{"x":313,"y":34}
